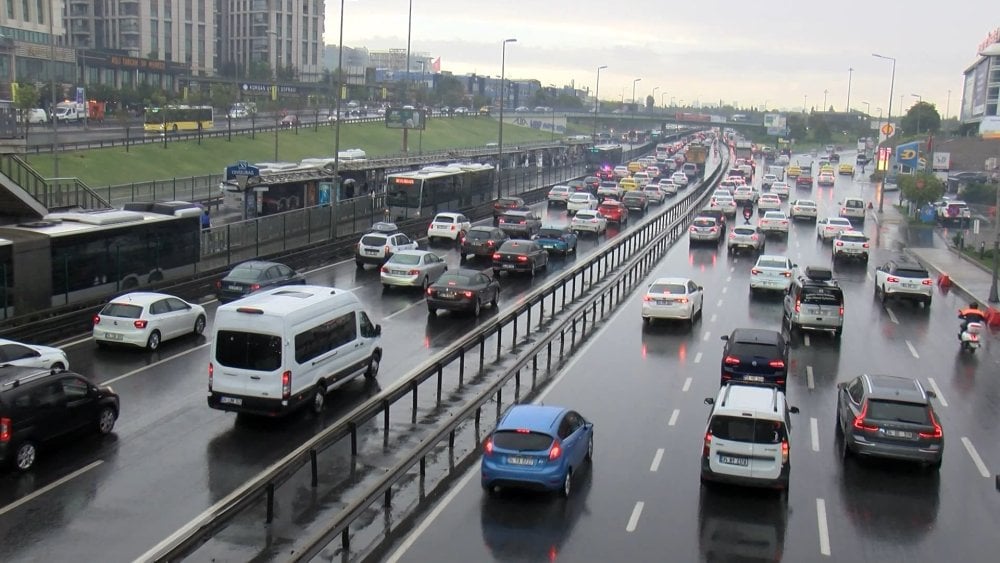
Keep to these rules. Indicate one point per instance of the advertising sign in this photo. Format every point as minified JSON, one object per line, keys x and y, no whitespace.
{"x":979,"y":89}
{"x":970,"y":83}
{"x":883,"y":159}
{"x":941,"y":161}
{"x":400,"y":118}
{"x":81,"y":96}
{"x":906,"y":155}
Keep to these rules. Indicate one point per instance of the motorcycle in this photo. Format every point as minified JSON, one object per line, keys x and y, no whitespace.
{"x":969,"y":337}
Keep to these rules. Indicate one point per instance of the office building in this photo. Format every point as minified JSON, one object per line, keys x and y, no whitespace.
{"x":26,"y":51}
{"x":272,"y":34}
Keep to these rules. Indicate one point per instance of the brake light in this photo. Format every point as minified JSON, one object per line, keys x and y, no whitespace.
{"x":254,"y":286}
{"x":865,"y":245}
{"x":928,"y":282}
{"x":430,"y":291}
{"x":467,"y":294}
{"x":692,"y":229}
{"x":496,"y":255}
{"x":488,"y":446}
{"x":754,"y":272}
{"x":211,"y":375}
{"x":753,"y":237}
{"x":839,"y":243}
{"x":732,"y":361}
{"x":490,"y":243}
{"x":892,"y":279}
{"x":777,"y":364}
{"x":414,"y":273}
{"x":784,"y":452}
{"x":859,"y":421}
{"x":97,"y":319}
{"x":286,"y":385}
{"x":714,"y":229}
{"x":681,"y":300}
{"x":707,"y":447}
{"x":521,"y":222}
{"x":937,"y":432}
{"x":841,"y":310}
{"x":843,"y":210}
{"x":385,"y":269}
{"x":647,"y":298}
{"x":140,"y":323}
{"x":453,"y":227}
{"x":786,"y":274}
{"x":218,"y":284}
{"x":732,"y":235}
{"x":555,"y":451}
{"x":5,"y":430}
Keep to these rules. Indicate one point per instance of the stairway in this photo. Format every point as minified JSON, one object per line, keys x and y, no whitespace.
{"x":24,"y":193}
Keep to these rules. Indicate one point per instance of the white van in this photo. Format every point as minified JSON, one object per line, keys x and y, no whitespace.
{"x":279,"y":349}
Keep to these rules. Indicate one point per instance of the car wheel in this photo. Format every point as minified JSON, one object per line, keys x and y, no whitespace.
{"x":838,"y":332}
{"x":590,"y":448}
{"x":102,"y":344}
{"x":106,"y":420}
{"x":154,"y":341}
{"x":567,"y":487}
{"x":319,"y":398}
{"x":57,"y":367}
{"x":199,"y":325}
{"x":935,"y":465}
{"x":493,"y":302}
{"x":845,"y":450}
{"x":884,"y":296}
{"x":425,"y":284}
{"x":25,"y":455}
{"x":477,"y":308}
{"x":431,"y":310}
{"x":359,"y":264}
{"x":373,"y":364}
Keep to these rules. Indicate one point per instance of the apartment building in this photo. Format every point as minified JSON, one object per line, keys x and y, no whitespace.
{"x":286,"y":34}
{"x":27,"y":50}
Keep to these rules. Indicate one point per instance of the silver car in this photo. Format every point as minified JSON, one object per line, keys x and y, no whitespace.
{"x":745,"y":238}
{"x":412,"y":268}
{"x":705,"y":229}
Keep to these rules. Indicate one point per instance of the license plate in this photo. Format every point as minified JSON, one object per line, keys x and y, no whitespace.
{"x":447,"y":294}
{"x":231,"y":401}
{"x":851,"y":250}
{"x":909,"y":285}
{"x":399,"y":272}
{"x":520,"y":460}
{"x":899,"y":434}
{"x":663,"y":302}
{"x":508,"y":266}
{"x":371,"y":251}
{"x":112,"y":336}
{"x":754,"y":378}
{"x":234,"y":287}
{"x":734,"y":460}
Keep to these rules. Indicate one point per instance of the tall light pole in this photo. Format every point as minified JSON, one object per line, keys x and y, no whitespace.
{"x":409,"y":33}
{"x":597,"y":99}
{"x":634,"y":82}
{"x":339,"y":93}
{"x":888,"y":119}
{"x":52,"y":87}
{"x":868,"y":108}
{"x":765,"y":104}
{"x":663,"y":99}
{"x":274,"y":90}
{"x":805,"y":102}
{"x":993,"y":298}
{"x":655,"y":88}
{"x":920,"y":100}
{"x":947,"y":109}
{"x":503,"y":63}
{"x":825,"y":92}
{"x":850,"y":75}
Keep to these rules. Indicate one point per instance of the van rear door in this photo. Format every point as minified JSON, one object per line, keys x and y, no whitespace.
{"x":247,"y":364}
{"x":821,"y":307}
{"x":732,"y":446}
{"x":767,"y":457}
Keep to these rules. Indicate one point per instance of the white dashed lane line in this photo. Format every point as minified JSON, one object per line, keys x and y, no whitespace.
{"x":633,"y":520}
{"x":814,"y":430}
{"x":913,"y":351}
{"x":810,"y":380}
{"x":655,"y":466}
{"x":975,"y":457}
{"x":673,"y":417}
{"x":892,"y":316}
{"x":697,"y":359}
{"x":806,"y":340}
{"x":725,"y":289}
{"x":712,"y":318}
{"x":687,"y":384}
{"x":39,"y":492}
{"x":718,"y":303}
{"x":706,"y":336}
{"x":937,"y":391}
{"x":824,"y":531}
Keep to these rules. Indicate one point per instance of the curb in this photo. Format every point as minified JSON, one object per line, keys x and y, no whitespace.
{"x":957,"y":285}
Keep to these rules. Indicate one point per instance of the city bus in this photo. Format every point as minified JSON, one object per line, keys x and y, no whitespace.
{"x":75,"y":256}
{"x":178,"y":118}
{"x":433,"y":189}
{"x":603,"y":157}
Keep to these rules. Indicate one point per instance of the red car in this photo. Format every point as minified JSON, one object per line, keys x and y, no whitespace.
{"x":804,"y":180}
{"x":613,"y":211}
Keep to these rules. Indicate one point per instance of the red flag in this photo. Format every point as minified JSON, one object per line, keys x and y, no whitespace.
{"x":436,"y":65}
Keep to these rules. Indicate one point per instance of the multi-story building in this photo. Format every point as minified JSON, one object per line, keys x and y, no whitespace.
{"x":32,"y":46}
{"x":395,"y":60}
{"x":981,"y":93}
{"x":286,"y":34}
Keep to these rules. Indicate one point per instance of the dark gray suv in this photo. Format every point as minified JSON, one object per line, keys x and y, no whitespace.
{"x":889,"y":416}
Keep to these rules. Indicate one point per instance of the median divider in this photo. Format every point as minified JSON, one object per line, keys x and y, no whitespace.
{"x":602,"y":281}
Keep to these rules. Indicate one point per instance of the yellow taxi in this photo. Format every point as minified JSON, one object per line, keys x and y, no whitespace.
{"x":826,"y":169}
{"x":635,"y":166}
{"x":628,"y":184}
{"x":793,"y":171}
{"x":846,"y":169}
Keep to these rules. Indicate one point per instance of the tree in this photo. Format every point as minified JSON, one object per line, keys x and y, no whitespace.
{"x":223,"y":95}
{"x":796,"y":126}
{"x":820,"y":128}
{"x":650,"y":102}
{"x":920,"y":188}
{"x":921,"y":118}
{"x":569,"y":102}
{"x":25,"y":99}
{"x":449,"y":91}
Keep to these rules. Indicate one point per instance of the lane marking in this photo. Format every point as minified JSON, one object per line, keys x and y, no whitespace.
{"x":869,"y":276}
{"x":49,"y":487}
{"x":633,"y":520}
{"x":718,"y":303}
{"x":656,"y":460}
{"x":824,"y":532}
{"x":706,"y":337}
{"x":712,"y":318}
{"x":729,"y":279}
{"x":892,"y":316}
{"x":697,"y":359}
{"x":810,"y":380}
{"x":144,"y":368}
{"x":913,"y":350}
{"x":687,"y":385}
{"x":725,"y":289}
{"x":807,"y":340}
{"x":673,"y":417}
{"x":814,"y":430}
{"x":732,"y":269}
{"x":404,"y":309}
{"x":975,"y":457}
{"x":937,"y":391}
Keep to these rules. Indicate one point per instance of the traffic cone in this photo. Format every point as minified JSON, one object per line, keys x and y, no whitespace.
{"x":944,"y":281}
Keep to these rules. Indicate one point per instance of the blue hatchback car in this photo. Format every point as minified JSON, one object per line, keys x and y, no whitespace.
{"x":537,"y":447}
{"x":559,"y":240}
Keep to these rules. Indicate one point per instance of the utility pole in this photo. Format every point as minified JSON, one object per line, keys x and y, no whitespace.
{"x":850,"y":75}
{"x":993,"y":298}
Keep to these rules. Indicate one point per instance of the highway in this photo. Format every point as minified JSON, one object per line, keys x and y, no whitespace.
{"x":644,"y":388}
{"x":171,"y":457}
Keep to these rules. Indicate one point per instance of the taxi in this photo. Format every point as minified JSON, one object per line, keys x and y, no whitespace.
{"x":846,"y":169}
{"x":628,"y":185}
{"x":826,"y":169}
{"x":793,"y":171}
{"x":635,"y":166}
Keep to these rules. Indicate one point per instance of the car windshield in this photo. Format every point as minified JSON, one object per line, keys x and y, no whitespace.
{"x":822,"y":296}
{"x":521,"y":441}
{"x":898,"y":411}
{"x":514,"y":247}
{"x":911,"y":273}
{"x":580,"y":197}
{"x":550,"y":232}
{"x":444,"y":219}
{"x":367,"y":240}
{"x":754,"y":350}
{"x":248,"y":273}
{"x":454,"y":279}
{"x":405,"y":259}
{"x":585,"y":215}
{"x":704,"y":223}
{"x":772,"y":263}
{"x":744,"y":231}
{"x":854,"y":204}
{"x":854,"y":238}
{"x":122,"y":310}
{"x":668,"y":288}
{"x":478,"y":235}
{"x":634,"y":195}
{"x":739,"y":429}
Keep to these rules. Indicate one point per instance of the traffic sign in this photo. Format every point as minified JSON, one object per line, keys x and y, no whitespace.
{"x":887,"y":129}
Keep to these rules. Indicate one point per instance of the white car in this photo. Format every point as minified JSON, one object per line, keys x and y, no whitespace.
{"x":826,"y":179}
{"x":668,"y":187}
{"x":588,"y":221}
{"x":774,"y":222}
{"x":607,"y":190}
{"x":559,"y":194}
{"x":744,"y":194}
{"x":641,"y":178}
{"x":147,"y":319}
{"x":32,"y":356}
{"x":679,"y":179}
{"x":852,"y":245}
{"x":768,"y":180}
{"x":412,"y":268}
{"x":621,"y":171}
{"x":728,"y":184}
{"x":451,"y":226}
{"x":803,"y":209}
{"x":653,"y":171}
{"x":724,"y":202}
{"x":830,"y":227}
{"x":780,"y":189}
{"x":853,"y":208}
{"x":653,"y":193}
{"x":581,"y":201}
{"x":672,"y":298}
{"x":768,"y":202}
{"x":771,"y":272}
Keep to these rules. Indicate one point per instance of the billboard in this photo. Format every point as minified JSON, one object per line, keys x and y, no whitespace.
{"x":405,"y":118}
{"x":979,"y":89}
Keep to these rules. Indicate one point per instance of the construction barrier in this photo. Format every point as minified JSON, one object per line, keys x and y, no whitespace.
{"x":944,"y":281}
{"x":993,"y":317}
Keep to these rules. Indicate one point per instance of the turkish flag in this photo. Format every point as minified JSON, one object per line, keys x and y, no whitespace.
{"x":436,"y":65}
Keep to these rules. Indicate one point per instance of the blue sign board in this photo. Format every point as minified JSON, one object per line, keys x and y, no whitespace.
{"x":241,"y":168}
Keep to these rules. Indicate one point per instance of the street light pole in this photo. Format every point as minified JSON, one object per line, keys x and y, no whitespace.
{"x":52,"y":87}
{"x":503,"y":63}
{"x":597,"y":99}
{"x":274,"y":90}
{"x":825,"y":92}
{"x":805,"y":102}
{"x":888,"y":119}
{"x":655,"y":88}
{"x":993,"y":298}
{"x":339,"y":94}
{"x":663,"y":99}
{"x":850,"y":76}
{"x":920,"y":100}
{"x":634,"y":82}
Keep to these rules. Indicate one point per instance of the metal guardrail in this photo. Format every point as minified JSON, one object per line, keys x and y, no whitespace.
{"x":636,"y":248}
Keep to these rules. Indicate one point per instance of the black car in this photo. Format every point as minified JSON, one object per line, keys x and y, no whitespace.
{"x":967,"y":177}
{"x":889,"y":417}
{"x":520,"y":256}
{"x":522,"y":224}
{"x":504,"y":204}
{"x":463,"y":290}
{"x":635,"y":201}
{"x":248,"y":277}
{"x":755,"y":356}
{"x":483,"y":241}
{"x":39,"y":405}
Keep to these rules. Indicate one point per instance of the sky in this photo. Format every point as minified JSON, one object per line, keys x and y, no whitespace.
{"x":787,"y":55}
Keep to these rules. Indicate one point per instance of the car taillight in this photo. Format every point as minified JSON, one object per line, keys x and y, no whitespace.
{"x":97,"y":319}
{"x":5,"y":430}
{"x":892,"y":279}
{"x":488,"y":446}
{"x":286,"y":385}
{"x":714,"y":229}
{"x":211,"y":375}
{"x":490,"y":243}
{"x":937,"y":432}
{"x":777,"y":364}
{"x":453,"y":227}
{"x":843,"y":210}
{"x":413,"y":273}
{"x":430,"y":291}
{"x":218,"y":284}
{"x":732,"y":361}
{"x":928,"y":282}
{"x":707,"y":446}
{"x":555,"y":451}
{"x":732,"y":235}
{"x":692,"y":229}
{"x":859,"y":421}
{"x":385,"y":269}
{"x":496,"y":255}
{"x":786,"y":274}
{"x":753,"y":237}
{"x":647,"y":298}
{"x":254,"y":286}
{"x":140,"y":323}
{"x":521,"y":222}
{"x":681,"y":300}
{"x":754,"y":272}
{"x":841,"y":310}
{"x":865,"y":245}
{"x":467,"y":294}
{"x":522,"y":258}
{"x":784,"y":452}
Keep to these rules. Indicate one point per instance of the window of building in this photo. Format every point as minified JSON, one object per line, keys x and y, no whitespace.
{"x":10,"y":9}
{"x":201,"y":11}
{"x":187,"y":10}
{"x":25,"y":11}
{"x":41,"y":11}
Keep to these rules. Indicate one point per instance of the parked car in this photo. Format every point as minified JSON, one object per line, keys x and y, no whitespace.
{"x":147,"y":319}
{"x":463,"y":290}
{"x":412,"y":268}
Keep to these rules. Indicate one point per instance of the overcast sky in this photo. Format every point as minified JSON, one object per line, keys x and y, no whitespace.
{"x":781,"y":53}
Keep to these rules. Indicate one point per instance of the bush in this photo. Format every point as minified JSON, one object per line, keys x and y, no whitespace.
{"x":980,"y":193}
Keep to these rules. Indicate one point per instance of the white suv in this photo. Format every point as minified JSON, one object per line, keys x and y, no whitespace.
{"x":378,"y":245}
{"x":853,"y":208}
{"x":451,"y":226}
{"x":904,"y":278}
{"x":748,"y":438}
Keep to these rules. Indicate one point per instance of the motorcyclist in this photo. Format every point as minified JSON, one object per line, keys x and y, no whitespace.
{"x":971,"y":314}
{"x":747,"y":211}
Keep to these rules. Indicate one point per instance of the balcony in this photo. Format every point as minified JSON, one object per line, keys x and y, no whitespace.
{"x":129,"y":27}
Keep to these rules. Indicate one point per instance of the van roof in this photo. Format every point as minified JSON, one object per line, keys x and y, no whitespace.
{"x":750,"y":399}
{"x":284,"y":300}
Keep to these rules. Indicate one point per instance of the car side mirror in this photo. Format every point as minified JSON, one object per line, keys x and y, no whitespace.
{"x":700,"y":288}
{"x":932,"y":394}
{"x":378,"y":330}
{"x":725,"y":337}
{"x":709,"y":401}
{"x":793,"y":410}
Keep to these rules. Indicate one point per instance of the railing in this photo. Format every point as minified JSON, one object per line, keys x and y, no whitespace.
{"x":53,"y":192}
{"x":602,"y":281}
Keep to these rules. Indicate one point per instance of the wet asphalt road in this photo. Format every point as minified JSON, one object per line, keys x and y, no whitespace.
{"x":644,"y":388}
{"x":171,"y":457}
